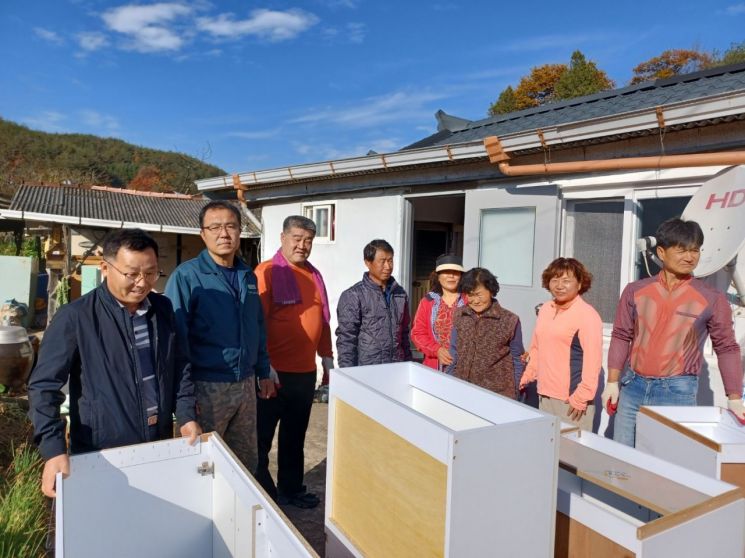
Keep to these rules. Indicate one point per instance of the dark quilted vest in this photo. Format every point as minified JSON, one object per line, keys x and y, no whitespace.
{"x":483,"y":346}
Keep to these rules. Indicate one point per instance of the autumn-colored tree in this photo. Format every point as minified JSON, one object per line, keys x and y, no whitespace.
{"x":537,"y":88}
{"x":505,"y":103}
{"x":672,"y":63}
{"x":581,"y":78}
{"x":147,"y":179}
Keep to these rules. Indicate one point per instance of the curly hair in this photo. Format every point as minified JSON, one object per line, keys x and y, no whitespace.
{"x":559,"y":266}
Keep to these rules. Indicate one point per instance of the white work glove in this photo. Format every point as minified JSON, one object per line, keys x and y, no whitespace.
{"x":737,"y":407}
{"x":327,"y":363}
{"x":274,"y":376}
{"x":610,"y":393}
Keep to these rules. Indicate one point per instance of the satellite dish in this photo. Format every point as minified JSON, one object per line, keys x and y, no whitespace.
{"x":719,"y":207}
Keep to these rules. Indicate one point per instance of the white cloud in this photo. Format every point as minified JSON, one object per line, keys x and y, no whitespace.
{"x":736,"y":9}
{"x":548,"y":42}
{"x":356,"y":32}
{"x":318,"y":151}
{"x":400,"y":106}
{"x":81,"y":121}
{"x":146,"y":26}
{"x":255,"y":134}
{"x":47,"y":121}
{"x":271,"y":25}
{"x":48,"y":35}
{"x":351,"y":4}
{"x":90,"y":41}
{"x":99,"y":123}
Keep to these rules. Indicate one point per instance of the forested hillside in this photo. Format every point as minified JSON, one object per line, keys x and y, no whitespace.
{"x":31,"y":157}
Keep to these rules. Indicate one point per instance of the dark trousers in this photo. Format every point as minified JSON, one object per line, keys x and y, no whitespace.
{"x":291,"y":409}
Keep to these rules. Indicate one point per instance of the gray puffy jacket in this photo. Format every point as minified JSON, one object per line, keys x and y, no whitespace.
{"x":371,"y":330}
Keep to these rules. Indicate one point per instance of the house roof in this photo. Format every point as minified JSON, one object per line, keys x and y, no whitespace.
{"x":696,"y":99}
{"x":650,"y":94}
{"x":112,"y":208}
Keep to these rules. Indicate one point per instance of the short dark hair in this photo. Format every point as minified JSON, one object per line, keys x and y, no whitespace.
{"x":677,"y":232}
{"x":372,"y":247}
{"x":472,"y":278}
{"x":136,"y":240}
{"x":219,"y":204}
{"x":299,"y":222}
{"x":560,"y":266}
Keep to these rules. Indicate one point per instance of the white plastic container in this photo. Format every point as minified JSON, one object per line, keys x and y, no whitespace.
{"x":169,"y":499}
{"x":423,"y":464}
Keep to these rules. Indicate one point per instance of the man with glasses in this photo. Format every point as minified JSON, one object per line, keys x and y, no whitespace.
{"x":219,"y":318}
{"x":117,"y":347}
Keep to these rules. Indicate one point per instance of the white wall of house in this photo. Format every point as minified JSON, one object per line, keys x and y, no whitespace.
{"x":358,"y":221}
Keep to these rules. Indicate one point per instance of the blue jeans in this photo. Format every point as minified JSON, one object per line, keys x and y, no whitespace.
{"x":639,"y":390}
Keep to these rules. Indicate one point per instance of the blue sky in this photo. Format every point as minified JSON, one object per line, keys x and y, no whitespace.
{"x":256,"y":85}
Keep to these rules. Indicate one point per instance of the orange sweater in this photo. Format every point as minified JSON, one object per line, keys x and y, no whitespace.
{"x":295,"y":332}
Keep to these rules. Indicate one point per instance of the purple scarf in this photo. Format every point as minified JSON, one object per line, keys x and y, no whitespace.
{"x":284,"y":284}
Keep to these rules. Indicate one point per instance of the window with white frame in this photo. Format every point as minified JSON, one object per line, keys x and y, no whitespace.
{"x":324,"y":216}
{"x":507,"y":243}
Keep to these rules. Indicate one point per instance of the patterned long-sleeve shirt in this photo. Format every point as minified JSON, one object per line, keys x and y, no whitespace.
{"x":661,"y":332}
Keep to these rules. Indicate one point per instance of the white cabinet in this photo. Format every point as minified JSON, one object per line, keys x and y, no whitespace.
{"x":615,"y":501}
{"x":169,"y":499}
{"x":705,"y":439}
{"x":423,"y":464}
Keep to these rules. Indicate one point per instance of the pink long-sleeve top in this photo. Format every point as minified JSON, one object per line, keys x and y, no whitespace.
{"x":566,"y":352}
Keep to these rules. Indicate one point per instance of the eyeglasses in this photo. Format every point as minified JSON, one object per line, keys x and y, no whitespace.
{"x":562,"y":281}
{"x":230,"y":228}
{"x":135,"y":276}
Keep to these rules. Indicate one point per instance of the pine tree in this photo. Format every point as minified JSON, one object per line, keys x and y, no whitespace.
{"x":581,"y":78}
{"x":505,"y":103}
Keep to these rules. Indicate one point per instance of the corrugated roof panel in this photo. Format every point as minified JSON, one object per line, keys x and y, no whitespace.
{"x":112,"y":206}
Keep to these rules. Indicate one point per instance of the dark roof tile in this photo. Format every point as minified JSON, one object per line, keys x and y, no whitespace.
{"x":646,"y":95}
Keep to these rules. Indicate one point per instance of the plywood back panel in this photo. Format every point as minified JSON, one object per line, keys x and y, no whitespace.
{"x":734,"y":473}
{"x":575,"y":540}
{"x":388,"y":496}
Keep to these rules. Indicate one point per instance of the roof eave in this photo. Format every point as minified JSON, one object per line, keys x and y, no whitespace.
{"x":102,"y":223}
{"x":715,"y":106}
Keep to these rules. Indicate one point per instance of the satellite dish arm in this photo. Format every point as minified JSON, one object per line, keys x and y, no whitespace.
{"x":738,"y":281}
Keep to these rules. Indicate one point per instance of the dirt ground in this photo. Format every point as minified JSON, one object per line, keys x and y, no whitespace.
{"x":310,"y":522}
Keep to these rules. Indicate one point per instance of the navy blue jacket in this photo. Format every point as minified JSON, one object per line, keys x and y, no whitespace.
{"x":373,"y":328}
{"x":225,"y":336}
{"x":90,"y":342}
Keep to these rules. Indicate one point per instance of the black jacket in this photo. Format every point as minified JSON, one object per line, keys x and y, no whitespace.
{"x":371,"y":330}
{"x":91,"y":343}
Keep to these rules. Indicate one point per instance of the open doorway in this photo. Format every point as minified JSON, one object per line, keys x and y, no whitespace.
{"x":437,"y":229}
